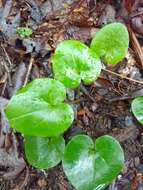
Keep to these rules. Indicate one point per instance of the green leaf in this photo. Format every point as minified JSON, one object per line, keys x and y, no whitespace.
{"x":137,"y":109}
{"x":73,"y":61}
{"x":90,"y":165}
{"x":38,"y":109}
{"x":43,"y":152}
{"x":24,"y":32}
{"x":111,"y":43}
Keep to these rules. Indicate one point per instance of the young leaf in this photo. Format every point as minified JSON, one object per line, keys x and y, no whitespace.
{"x":73,"y":61}
{"x":137,"y":109}
{"x":90,"y":165}
{"x":24,"y":32}
{"x":111,"y":43}
{"x":38,"y":109}
{"x":43,"y":152}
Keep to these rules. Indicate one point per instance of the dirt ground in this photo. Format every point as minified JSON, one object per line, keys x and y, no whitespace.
{"x":101,"y":108}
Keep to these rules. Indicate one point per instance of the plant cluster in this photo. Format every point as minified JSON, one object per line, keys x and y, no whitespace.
{"x":39,"y":112}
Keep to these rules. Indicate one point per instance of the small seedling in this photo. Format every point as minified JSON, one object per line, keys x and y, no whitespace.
{"x":38,"y":109}
{"x":92,"y":165}
{"x":111,"y":43}
{"x":24,"y":32}
{"x":38,"y":112}
{"x":137,"y":109}
{"x":73,"y":61}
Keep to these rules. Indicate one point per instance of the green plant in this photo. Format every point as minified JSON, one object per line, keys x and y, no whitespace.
{"x":38,"y":111}
{"x":73,"y":61}
{"x":90,"y":165}
{"x":24,"y":32}
{"x":137,"y":109}
{"x":111,"y":43}
{"x":44,"y":153}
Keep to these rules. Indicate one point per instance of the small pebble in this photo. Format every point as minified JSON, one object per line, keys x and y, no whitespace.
{"x":129,"y":121}
{"x":94,"y":107}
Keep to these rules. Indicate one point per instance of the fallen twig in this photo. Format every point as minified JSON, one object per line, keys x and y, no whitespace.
{"x":28,"y":71}
{"x":25,"y":180}
{"x":124,"y":77}
{"x":6,"y":54}
{"x":86,"y":93}
{"x":127,"y":96}
{"x":136,"y":45}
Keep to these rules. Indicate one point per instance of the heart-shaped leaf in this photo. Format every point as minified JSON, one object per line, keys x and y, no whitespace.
{"x":43,"y":152}
{"x":38,"y":109}
{"x":137,"y":109}
{"x":111,"y":43}
{"x":73,"y":61}
{"x":90,"y":165}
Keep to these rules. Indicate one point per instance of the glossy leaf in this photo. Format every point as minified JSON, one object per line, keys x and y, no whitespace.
{"x":73,"y":61}
{"x":90,"y":165}
{"x":111,"y":43}
{"x":38,"y":109}
{"x":43,"y":152}
{"x":137,"y":109}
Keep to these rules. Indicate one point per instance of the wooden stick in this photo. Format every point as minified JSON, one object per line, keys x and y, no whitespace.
{"x":124,"y":77}
{"x":28,"y":71}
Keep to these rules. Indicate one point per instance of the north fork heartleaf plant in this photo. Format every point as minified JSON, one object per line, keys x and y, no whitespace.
{"x":39,"y":109}
{"x":39,"y":112}
{"x":111,"y":43}
{"x":92,"y":165}
{"x":137,"y":109}
{"x":74,"y":62}
{"x":44,"y":153}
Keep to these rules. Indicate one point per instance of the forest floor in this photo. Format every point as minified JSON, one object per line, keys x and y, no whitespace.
{"x":102,"y":108}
